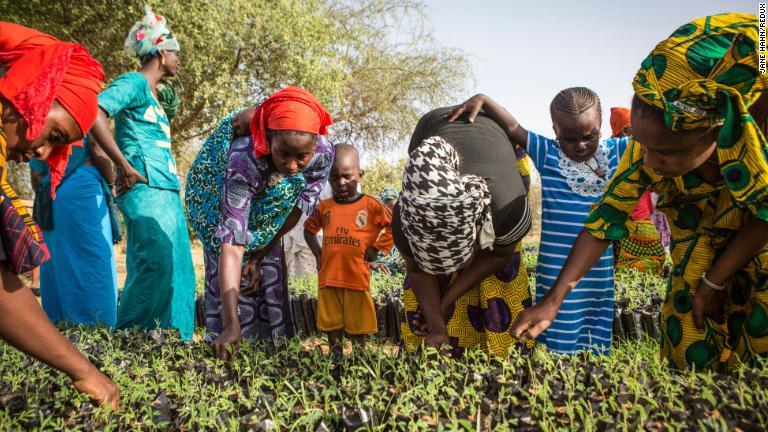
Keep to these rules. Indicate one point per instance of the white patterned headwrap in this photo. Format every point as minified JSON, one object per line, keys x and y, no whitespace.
{"x":150,"y":35}
{"x":441,"y":209}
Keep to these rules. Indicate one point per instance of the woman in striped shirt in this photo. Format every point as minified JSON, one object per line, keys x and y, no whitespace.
{"x":574,"y":168}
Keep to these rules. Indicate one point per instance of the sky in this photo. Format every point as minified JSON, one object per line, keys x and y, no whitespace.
{"x":524,"y":52}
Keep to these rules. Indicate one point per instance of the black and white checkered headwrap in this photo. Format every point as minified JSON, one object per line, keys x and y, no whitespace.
{"x":440,"y":209}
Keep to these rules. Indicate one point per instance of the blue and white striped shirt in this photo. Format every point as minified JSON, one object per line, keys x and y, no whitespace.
{"x":568,"y":190}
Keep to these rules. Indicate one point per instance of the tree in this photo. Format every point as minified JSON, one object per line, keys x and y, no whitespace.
{"x":381,"y":173}
{"x":373,"y":63}
{"x":394,"y":71}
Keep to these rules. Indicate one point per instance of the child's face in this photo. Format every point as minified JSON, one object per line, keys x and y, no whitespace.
{"x":668,"y":153}
{"x":291,"y":153}
{"x":241,"y":122}
{"x":578,"y":136}
{"x":345,"y":176}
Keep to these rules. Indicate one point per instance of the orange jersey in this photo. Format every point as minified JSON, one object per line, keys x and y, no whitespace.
{"x":348,"y":230}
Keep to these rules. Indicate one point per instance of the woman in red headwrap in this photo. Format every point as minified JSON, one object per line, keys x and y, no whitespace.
{"x":642,"y":250}
{"x":48,"y":92}
{"x":260,"y":184}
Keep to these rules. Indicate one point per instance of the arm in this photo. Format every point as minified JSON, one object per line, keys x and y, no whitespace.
{"x":230,"y":275}
{"x":748,"y":242}
{"x":24,"y":325}
{"x":246,"y":175}
{"x":103,"y":163}
{"x":311,"y":227}
{"x":484,"y":263}
{"x":101,"y":136}
{"x":314,"y":246}
{"x":125,"y":92}
{"x":424,"y":286}
{"x":480,"y":102}
{"x":384,"y":242}
{"x":253,"y":263}
{"x":230,"y":272}
{"x":586,"y":251}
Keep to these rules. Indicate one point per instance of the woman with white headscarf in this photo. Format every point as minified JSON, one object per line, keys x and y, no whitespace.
{"x":459,"y":224}
{"x":160,"y":284}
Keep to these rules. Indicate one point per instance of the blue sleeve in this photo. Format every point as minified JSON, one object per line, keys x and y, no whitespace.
{"x":619,"y":147}
{"x":537,"y":149}
{"x":126,"y":91}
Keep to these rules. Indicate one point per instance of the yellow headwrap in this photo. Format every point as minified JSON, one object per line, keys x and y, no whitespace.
{"x":706,"y":75}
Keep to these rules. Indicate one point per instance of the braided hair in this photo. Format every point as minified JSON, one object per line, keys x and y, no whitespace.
{"x":575,"y":101}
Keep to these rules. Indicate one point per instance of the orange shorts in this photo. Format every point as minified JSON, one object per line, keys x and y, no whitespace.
{"x":346,"y":309}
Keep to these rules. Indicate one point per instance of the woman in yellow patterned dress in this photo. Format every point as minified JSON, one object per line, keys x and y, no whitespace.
{"x":643,"y":250}
{"x":459,"y":225}
{"x":698,"y":119}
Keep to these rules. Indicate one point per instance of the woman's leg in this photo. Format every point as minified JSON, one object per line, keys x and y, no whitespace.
{"x":147,"y":294}
{"x":272,"y":307}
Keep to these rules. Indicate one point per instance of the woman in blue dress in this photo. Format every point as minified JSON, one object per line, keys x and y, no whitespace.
{"x":78,"y":284}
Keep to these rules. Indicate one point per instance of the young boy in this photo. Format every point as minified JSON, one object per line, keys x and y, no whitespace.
{"x":352,"y":225}
{"x":574,"y":169}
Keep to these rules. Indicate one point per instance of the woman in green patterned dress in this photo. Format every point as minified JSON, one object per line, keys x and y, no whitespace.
{"x":698,"y":117}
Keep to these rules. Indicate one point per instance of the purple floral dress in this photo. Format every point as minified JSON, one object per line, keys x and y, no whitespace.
{"x":232,"y":198}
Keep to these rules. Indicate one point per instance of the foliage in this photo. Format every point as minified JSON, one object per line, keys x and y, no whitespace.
{"x":168,"y":384}
{"x":372,"y":62}
{"x":638,"y":287}
{"x":381,"y":173}
{"x":171,"y":385}
{"x":381,"y":285}
{"x":19,"y":179}
{"x":394,"y":70}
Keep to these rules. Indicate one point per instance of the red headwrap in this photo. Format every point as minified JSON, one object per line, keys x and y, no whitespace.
{"x":41,"y":68}
{"x":291,"y":108}
{"x":619,"y":119}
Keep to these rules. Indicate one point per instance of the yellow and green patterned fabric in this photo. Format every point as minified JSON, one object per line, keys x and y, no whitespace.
{"x":642,"y":250}
{"x":704,"y":75}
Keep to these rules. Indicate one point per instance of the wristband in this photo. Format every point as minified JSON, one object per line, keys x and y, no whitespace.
{"x":708,"y":283}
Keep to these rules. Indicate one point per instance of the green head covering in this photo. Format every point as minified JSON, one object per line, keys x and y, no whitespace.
{"x":168,"y":99}
{"x":706,"y":74}
{"x":389,"y":194}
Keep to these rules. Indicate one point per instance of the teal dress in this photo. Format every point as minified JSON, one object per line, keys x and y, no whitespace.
{"x":160,"y":285}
